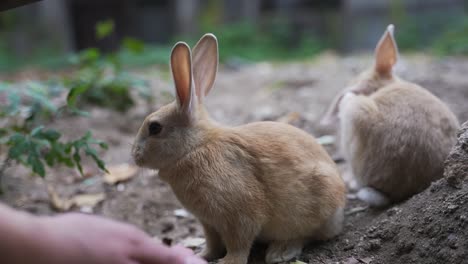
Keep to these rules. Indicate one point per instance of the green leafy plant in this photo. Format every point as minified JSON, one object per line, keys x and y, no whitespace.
{"x":100,"y":78}
{"x":453,"y":41}
{"x":24,"y":108}
{"x":104,"y":28}
{"x":42,"y":145}
{"x":271,"y":42}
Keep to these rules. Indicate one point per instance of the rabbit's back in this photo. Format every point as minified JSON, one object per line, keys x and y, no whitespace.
{"x":403,"y":150}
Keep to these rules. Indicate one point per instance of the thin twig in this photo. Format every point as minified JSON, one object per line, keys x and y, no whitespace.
{"x":356,"y":210}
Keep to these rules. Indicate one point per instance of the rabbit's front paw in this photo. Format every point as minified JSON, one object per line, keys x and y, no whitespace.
{"x":229,"y":260}
{"x":210,"y":254}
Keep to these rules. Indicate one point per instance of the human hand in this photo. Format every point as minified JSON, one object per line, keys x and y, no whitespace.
{"x":79,"y":238}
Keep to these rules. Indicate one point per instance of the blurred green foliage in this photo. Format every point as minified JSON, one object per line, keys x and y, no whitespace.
{"x":269,"y":39}
{"x":273,"y":42}
{"x":417,"y":34}
{"x":24,"y":108}
{"x":104,"y":28}
{"x":454,"y":41}
{"x":101,"y":78}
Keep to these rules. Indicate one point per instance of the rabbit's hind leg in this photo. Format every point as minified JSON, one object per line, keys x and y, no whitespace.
{"x":282,"y":251}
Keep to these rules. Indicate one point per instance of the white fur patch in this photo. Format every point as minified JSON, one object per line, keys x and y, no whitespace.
{"x":373,"y":197}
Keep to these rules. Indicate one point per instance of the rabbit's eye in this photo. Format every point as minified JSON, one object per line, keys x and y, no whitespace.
{"x":154,"y":128}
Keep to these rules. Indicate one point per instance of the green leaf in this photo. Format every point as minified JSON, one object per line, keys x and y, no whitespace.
{"x":89,"y":55}
{"x":37,"y":130}
{"x":41,"y":97}
{"x":18,"y":146}
{"x":36,"y":164}
{"x":93,"y":154}
{"x":14,"y":100}
{"x":76,"y":111}
{"x":134,"y":45}
{"x":50,"y":159}
{"x":75,"y":92}
{"x":77,"y":159}
{"x":4,"y":86}
{"x":103,"y":145}
{"x":50,"y":135}
{"x":3,"y":132}
{"x":104,"y":28}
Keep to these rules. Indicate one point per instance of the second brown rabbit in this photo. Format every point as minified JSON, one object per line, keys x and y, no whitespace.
{"x":262,"y":181}
{"x":395,"y":134}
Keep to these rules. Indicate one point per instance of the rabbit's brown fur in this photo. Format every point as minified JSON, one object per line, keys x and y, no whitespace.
{"x":261,"y":181}
{"x":395,"y":134}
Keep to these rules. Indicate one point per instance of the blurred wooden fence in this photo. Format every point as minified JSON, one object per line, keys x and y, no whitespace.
{"x":350,"y":24}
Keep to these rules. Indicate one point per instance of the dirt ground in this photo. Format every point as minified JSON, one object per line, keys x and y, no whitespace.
{"x":301,"y":92}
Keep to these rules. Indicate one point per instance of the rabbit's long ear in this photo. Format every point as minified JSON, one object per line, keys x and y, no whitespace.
{"x":181,"y":66}
{"x":205,"y":64}
{"x":386,"y":53}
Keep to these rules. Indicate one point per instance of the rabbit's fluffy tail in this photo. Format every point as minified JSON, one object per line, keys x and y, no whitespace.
{"x":373,"y":197}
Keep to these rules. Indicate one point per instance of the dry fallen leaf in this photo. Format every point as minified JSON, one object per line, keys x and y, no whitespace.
{"x":193,"y":242}
{"x":366,"y":260}
{"x":120,"y":173}
{"x":297,"y":262}
{"x":56,"y":202}
{"x":81,"y":200}
{"x":90,"y":200}
{"x":353,"y":260}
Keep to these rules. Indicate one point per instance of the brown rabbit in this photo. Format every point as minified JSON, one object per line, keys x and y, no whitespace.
{"x":262,"y":181}
{"x":395,"y":134}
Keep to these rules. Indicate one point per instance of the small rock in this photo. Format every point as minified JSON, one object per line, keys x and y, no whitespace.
{"x":452,"y":208}
{"x":365,"y":260}
{"x":182,"y":213}
{"x":120,"y":187}
{"x":404,"y":247}
{"x":393,"y":211}
{"x":351,"y":260}
{"x":372,"y":229}
{"x":373,"y":245}
{"x":348,"y":245}
{"x":452,"y":241}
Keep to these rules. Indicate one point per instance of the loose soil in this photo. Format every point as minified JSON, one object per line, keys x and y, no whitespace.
{"x":429,"y":228}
